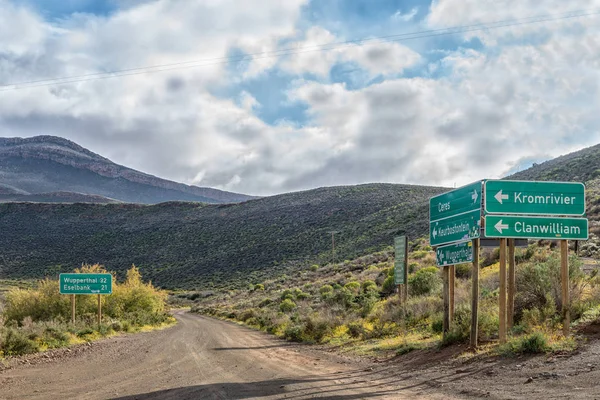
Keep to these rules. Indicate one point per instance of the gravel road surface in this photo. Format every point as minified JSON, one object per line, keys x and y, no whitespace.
{"x":199,"y":358}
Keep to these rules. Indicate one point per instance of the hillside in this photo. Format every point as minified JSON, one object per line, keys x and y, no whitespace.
{"x":47,"y":164}
{"x":579,"y":166}
{"x":197,"y":245}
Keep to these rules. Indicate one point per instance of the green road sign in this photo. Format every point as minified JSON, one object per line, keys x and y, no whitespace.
{"x":400,"y":271}
{"x":534,"y":198}
{"x":457,"y":253}
{"x":458,"y":201}
{"x":457,"y":228}
{"x":514,"y":226}
{"x":85,"y":283}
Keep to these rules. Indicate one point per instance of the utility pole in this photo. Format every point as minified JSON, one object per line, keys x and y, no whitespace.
{"x":333,"y":245}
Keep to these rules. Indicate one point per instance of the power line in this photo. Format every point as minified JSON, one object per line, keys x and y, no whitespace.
{"x":299,"y":50}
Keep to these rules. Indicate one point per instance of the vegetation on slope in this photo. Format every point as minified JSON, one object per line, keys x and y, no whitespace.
{"x":39,"y":318}
{"x":198,"y":245}
{"x":579,"y":166}
{"x":353,"y":304}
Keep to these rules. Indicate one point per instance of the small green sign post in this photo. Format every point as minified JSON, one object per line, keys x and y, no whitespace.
{"x":517,"y":226}
{"x":456,"y":253}
{"x":400,"y":271}
{"x":458,"y":201}
{"x":457,"y":228}
{"x":534,"y":198}
{"x":85,"y":283}
{"x":74,"y":284}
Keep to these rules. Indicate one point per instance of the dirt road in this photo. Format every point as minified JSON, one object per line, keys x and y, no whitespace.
{"x":196,"y":359}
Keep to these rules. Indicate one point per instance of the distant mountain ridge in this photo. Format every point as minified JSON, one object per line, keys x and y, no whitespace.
{"x":46,"y":164}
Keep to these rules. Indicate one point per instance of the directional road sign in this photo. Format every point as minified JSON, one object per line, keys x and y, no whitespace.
{"x":85,"y":283}
{"x":456,"y":253}
{"x":458,"y":201}
{"x":457,"y":228}
{"x":534,"y":198}
{"x":400,"y":271}
{"x":515,"y":226}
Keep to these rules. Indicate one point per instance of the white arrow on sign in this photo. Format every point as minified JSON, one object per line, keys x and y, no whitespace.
{"x":442,"y":255}
{"x":500,"y":226}
{"x":434,"y":233}
{"x":474,"y":196}
{"x":499,"y":196}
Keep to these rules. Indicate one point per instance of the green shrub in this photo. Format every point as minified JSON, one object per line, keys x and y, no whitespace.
{"x":259,"y":286}
{"x":314,"y":267}
{"x":343,"y":297}
{"x":355,"y":329}
{"x":437,"y":325}
{"x":287,"y":305}
{"x":532,"y":343}
{"x":369,"y":286}
{"x":407,"y":348}
{"x":247,"y":314}
{"x":425,"y":281}
{"x":117,"y":326}
{"x":463,"y":271}
{"x":539,"y":285}
{"x":302,"y":296}
{"x":287,"y":294}
{"x":412,"y":267}
{"x":316,"y":329}
{"x":265,"y":302}
{"x":389,"y":285}
{"x":352,"y":286}
{"x":326,"y":291}
{"x":380,"y":330}
{"x":15,"y":343}
{"x":85,"y":331}
{"x":418,"y":255}
{"x":367,"y":302}
{"x":294,"y":332}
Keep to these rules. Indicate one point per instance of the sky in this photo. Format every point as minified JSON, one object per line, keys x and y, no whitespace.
{"x":270,"y":96}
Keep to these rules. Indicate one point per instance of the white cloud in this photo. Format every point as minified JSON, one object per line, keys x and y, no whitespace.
{"x":399,"y":16}
{"x":321,"y":50}
{"x":515,"y":100}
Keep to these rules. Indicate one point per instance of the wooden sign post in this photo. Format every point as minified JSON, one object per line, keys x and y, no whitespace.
{"x":475,"y":295}
{"x":502,"y":295}
{"x":72,"y":308}
{"x":451,"y":276}
{"x":99,"y":311}
{"x":401,"y":267}
{"x":446,"y":321}
{"x":511,"y":284}
{"x":564,"y":277}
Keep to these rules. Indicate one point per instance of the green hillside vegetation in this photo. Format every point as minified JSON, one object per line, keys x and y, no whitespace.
{"x":195,"y":245}
{"x":201,"y":246}
{"x":38,"y":318}
{"x":579,"y":166}
{"x":353,"y":305}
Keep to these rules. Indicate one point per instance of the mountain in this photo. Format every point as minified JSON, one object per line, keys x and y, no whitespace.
{"x":187,"y":245}
{"x":40,"y":166}
{"x":197,"y":245}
